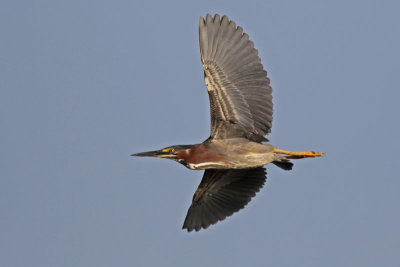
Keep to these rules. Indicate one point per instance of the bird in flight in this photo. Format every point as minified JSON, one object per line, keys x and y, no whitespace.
{"x":241,"y":115}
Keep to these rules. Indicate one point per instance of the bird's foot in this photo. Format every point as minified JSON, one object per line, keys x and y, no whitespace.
{"x":298,"y":155}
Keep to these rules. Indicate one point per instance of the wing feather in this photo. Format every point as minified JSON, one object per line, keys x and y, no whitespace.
{"x":238,"y":87}
{"x":220,"y":194}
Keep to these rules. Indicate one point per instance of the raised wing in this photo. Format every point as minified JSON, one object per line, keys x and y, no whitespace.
{"x":221,"y":193}
{"x":238,"y":87}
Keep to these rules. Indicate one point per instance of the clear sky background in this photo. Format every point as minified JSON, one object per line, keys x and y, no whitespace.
{"x":84,"y":84}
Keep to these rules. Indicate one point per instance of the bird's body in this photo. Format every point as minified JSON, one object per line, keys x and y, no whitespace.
{"x":234,"y":153}
{"x":241,"y":115}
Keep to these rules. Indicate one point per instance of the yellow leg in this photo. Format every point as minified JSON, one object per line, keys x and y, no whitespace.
{"x":298,"y":155}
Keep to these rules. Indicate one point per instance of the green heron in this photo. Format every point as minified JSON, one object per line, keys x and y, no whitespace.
{"x":241,"y":114}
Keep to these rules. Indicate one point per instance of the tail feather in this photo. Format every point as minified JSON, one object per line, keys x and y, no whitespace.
{"x":284,"y":164}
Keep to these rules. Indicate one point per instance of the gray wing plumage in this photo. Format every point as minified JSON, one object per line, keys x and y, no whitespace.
{"x":221,"y":193}
{"x":238,"y":87}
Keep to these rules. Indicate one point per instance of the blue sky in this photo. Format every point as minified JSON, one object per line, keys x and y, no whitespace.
{"x":84,"y":84}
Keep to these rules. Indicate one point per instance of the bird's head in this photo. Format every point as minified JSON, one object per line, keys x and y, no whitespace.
{"x":171,"y":152}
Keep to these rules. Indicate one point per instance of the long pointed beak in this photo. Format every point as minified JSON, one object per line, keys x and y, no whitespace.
{"x":155,"y":153}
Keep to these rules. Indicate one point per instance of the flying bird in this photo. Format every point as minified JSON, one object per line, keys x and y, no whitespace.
{"x":241,"y":115}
